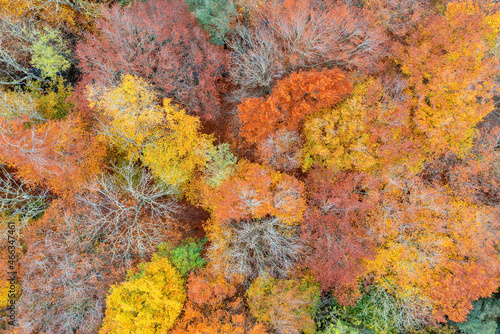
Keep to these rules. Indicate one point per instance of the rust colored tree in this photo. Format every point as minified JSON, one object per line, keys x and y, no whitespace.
{"x":57,"y":154}
{"x":336,"y":227}
{"x":215,"y":305}
{"x":160,"y":41}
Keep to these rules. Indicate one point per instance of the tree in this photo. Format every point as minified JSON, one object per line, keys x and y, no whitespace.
{"x":126,"y":212}
{"x":436,"y":246}
{"x":477,"y":178}
{"x":335,"y":226}
{"x":57,"y":154}
{"x":256,"y":192}
{"x":288,"y":305}
{"x":63,"y":279}
{"x":149,"y":301}
{"x":215,"y":16}
{"x":16,"y":104}
{"x":291,"y":100}
{"x":398,"y":16}
{"x":288,"y":36}
{"x":254,"y":214}
{"x":215,"y":305}
{"x":28,"y":52}
{"x":451,"y":75}
{"x":220,"y":164}
{"x":281,"y":150}
{"x":160,"y":41}
{"x":186,"y":257}
{"x":62,"y":14}
{"x":367,"y":132}
{"x":167,"y":140}
{"x":378,"y":310}
{"x":252,"y":247}
{"x":20,"y":203}
{"x":482,"y":318}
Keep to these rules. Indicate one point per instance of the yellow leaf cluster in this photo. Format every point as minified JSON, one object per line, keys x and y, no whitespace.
{"x":166,"y":139}
{"x":180,"y":150}
{"x":350,"y":135}
{"x":149,"y":302}
{"x":449,"y":65}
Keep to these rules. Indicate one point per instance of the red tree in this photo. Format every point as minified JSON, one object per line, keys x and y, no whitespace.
{"x":335,"y":226}
{"x":159,"y":41}
{"x":215,"y":305}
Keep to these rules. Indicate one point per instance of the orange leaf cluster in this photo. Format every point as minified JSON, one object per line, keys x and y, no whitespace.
{"x":60,"y":154}
{"x":291,"y":100}
{"x":215,"y":306}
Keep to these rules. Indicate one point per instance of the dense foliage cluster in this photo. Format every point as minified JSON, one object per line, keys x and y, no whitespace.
{"x":250,"y":167}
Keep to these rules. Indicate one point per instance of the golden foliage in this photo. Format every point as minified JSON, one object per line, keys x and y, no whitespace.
{"x":149,"y":302}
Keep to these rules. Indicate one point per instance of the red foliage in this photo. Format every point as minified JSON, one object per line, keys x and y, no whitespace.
{"x":291,"y":100}
{"x":160,"y":41}
{"x":335,"y":227}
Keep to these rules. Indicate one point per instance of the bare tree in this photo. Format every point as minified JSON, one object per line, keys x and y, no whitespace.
{"x":64,"y":283}
{"x":288,"y":36}
{"x":16,"y":40}
{"x":20,"y":202}
{"x":282,"y":150}
{"x":253,"y":247}
{"x":128,"y":211}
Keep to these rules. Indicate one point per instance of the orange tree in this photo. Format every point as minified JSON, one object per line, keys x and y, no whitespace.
{"x":436,"y":246}
{"x":450,"y":69}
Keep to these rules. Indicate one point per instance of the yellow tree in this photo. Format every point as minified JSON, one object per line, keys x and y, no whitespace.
{"x":367,"y":131}
{"x":148,"y":302}
{"x":166,"y":139}
{"x":451,"y":72}
{"x":287,"y":305}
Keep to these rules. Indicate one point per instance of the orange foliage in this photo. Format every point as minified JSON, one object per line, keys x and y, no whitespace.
{"x":436,"y":246}
{"x":254,"y":192}
{"x":59,"y":154}
{"x":57,"y":13}
{"x":451,"y":75}
{"x":215,"y":306}
{"x":291,"y":100}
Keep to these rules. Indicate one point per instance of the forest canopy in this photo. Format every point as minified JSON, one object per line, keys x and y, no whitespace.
{"x":252,"y":167}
